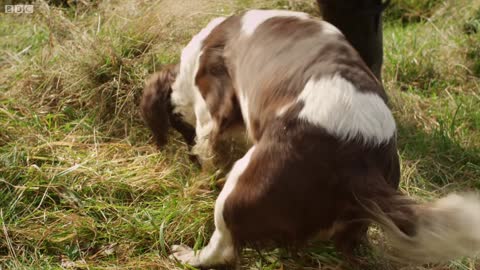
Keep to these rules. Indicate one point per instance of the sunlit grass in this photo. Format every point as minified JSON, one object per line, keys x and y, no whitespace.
{"x":81,"y":185}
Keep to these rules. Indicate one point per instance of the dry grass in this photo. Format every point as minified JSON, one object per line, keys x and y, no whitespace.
{"x":82,"y":187}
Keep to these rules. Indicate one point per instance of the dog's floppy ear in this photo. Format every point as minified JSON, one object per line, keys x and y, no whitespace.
{"x":156,"y":105}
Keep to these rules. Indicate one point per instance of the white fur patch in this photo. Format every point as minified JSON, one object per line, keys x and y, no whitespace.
{"x":335,"y":104}
{"x":186,"y":97}
{"x":253,"y":18}
{"x":243,"y":100}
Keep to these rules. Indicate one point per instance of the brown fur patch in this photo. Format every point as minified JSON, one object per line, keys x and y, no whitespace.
{"x":302,"y":180}
{"x":157,"y":109}
{"x":214,"y":81}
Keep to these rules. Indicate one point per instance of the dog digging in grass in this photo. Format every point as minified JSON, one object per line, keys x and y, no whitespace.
{"x":323,"y":162}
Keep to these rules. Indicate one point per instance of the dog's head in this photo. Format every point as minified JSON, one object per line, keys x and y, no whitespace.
{"x":157,"y":108}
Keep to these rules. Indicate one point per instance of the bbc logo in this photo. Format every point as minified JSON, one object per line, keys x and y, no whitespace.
{"x":18,"y":8}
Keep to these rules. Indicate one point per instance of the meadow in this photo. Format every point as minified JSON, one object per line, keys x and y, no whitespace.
{"x":83,"y":187}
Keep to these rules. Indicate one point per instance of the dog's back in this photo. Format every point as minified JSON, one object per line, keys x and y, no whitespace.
{"x":285,"y":63}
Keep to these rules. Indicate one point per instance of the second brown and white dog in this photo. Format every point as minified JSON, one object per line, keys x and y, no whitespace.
{"x":323,"y":162}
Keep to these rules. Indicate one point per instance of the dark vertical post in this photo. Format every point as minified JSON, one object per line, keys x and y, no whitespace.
{"x":361,"y":23}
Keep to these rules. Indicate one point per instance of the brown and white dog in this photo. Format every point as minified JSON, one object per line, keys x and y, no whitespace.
{"x":323,"y":162}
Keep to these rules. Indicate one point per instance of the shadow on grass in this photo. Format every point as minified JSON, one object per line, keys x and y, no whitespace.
{"x":316,"y":255}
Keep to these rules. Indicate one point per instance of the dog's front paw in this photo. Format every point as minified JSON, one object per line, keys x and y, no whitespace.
{"x":185,"y":255}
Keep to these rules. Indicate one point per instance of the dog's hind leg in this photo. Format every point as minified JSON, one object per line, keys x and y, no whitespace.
{"x":348,"y":241}
{"x":221,"y":249}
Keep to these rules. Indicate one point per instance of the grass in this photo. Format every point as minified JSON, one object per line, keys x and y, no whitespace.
{"x":411,"y":11}
{"x":81,"y":184}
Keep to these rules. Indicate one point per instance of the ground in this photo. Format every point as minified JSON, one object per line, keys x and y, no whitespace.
{"x":83,"y":187}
